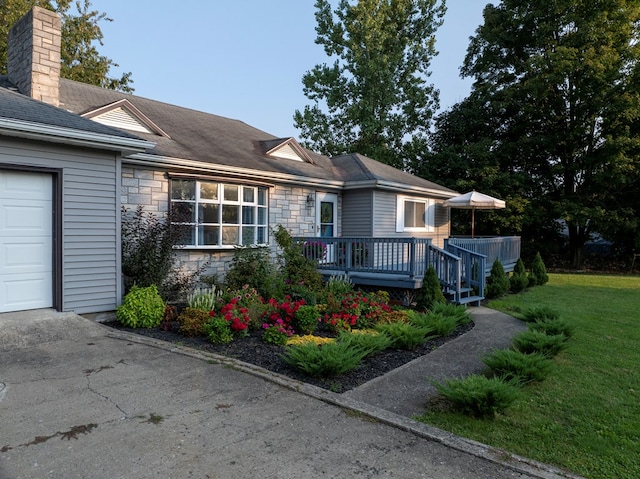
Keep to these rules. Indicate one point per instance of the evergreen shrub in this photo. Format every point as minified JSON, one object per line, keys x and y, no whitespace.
{"x":142,"y":307}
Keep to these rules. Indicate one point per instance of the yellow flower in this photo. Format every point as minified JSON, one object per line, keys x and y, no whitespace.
{"x":308,"y":338}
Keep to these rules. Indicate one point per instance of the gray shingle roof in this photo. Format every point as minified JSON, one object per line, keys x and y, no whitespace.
{"x":202,"y":137}
{"x":15,"y":106}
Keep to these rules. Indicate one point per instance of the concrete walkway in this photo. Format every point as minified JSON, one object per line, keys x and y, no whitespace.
{"x":406,"y":390}
{"x":80,"y":400}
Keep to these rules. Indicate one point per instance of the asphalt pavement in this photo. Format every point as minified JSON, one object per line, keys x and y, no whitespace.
{"x":80,"y":400}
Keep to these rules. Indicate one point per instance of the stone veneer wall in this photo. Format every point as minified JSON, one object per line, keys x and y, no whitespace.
{"x":287,"y":206}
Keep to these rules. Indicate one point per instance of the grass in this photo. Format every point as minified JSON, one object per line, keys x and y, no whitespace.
{"x":584,"y":416}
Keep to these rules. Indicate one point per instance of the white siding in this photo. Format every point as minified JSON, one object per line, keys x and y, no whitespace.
{"x":90,"y":231}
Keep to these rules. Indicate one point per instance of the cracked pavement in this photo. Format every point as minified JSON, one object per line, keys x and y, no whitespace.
{"x":80,"y":403}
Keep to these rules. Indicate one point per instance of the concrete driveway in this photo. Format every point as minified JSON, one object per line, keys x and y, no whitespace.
{"x":78,"y":400}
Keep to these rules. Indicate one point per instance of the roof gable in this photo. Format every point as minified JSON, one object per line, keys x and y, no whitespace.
{"x":287,"y":149}
{"x":124,"y":115}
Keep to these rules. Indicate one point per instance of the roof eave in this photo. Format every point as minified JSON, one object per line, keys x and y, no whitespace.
{"x":398,"y":187}
{"x":70,"y":136}
{"x":168,"y":163}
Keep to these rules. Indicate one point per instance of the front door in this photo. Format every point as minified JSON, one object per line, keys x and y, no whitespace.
{"x":326,"y":215}
{"x":327,"y":221}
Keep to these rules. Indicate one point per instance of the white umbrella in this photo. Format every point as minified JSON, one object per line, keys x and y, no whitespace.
{"x":472,"y":201}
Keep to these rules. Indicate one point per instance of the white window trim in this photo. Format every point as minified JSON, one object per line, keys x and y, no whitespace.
{"x":221,"y":201}
{"x":430,"y":207}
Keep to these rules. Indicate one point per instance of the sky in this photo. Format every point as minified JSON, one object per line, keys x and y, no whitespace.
{"x":244,"y":59}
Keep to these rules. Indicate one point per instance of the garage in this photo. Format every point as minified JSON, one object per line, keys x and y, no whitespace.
{"x":26,"y":240}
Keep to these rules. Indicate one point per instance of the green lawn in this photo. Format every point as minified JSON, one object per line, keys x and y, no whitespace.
{"x":585,"y":417}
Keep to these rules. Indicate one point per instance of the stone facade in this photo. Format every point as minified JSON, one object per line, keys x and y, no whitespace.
{"x":288,"y":206}
{"x":33,"y":57}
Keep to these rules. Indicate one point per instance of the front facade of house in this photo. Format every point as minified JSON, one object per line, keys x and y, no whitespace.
{"x":236,"y":182}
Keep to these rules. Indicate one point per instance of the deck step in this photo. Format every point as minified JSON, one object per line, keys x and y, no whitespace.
{"x":471,"y":299}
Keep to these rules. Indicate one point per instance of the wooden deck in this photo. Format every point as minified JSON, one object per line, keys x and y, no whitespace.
{"x":400,"y":263}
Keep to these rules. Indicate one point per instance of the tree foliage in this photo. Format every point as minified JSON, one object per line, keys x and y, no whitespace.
{"x":374,"y":98}
{"x":80,"y":58}
{"x":552,"y":118}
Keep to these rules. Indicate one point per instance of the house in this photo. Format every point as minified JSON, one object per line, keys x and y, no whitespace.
{"x":83,"y":152}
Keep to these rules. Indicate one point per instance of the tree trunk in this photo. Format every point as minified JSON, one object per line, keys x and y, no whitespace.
{"x":577,"y":239}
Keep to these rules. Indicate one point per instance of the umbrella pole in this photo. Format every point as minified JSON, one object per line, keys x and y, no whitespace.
{"x":473,"y":222}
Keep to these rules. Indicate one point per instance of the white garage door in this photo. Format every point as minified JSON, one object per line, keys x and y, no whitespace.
{"x":26,"y":226}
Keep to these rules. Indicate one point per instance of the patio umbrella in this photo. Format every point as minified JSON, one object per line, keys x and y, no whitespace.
{"x":472,"y":201}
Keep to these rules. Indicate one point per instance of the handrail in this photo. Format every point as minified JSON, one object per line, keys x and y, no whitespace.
{"x":448,"y":269}
{"x":399,"y":256}
{"x":504,"y":248}
{"x":473,"y":266}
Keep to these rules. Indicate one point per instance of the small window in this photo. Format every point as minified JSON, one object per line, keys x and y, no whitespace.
{"x":415,"y":214}
{"x":220,"y":214}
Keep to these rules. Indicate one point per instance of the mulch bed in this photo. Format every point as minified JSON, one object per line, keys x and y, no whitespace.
{"x":253,"y":350}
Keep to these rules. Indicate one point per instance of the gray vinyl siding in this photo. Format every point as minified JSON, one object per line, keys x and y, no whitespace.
{"x":90,"y":223}
{"x":357,"y":213}
{"x":384,"y":219}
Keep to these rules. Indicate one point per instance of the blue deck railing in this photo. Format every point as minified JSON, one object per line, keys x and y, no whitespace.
{"x":402,"y":262}
{"x":505,"y":248}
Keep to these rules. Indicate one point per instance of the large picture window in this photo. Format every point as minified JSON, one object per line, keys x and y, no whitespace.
{"x":221,"y":214}
{"x":415,"y":214}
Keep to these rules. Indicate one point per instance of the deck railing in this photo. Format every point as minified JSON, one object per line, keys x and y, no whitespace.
{"x":472,"y":268}
{"x":401,"y":256}
{"x":505,"y":248}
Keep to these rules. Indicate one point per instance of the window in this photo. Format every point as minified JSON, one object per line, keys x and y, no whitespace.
{"x":221,"y":214}
{"x":415,"y":214}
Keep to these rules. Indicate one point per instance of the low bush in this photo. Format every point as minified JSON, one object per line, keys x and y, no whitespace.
{"x":327,"y":360}
{"x":552,"y":327}
{"x":497,"y":282}
{"x":459,"y":311}
{"x":436,"y":324}
{"x":539,"y":313}
{"x":479,"y":396}
{"x":141,"y":308}
{"x":537,"y":342}
{"x":518,"y":367}
{"x":519,"y":279}
{"x":403,"y":335}
{"x":192,"y":322}
{"x":218,"y":330}
{"x":367,"y":340}
{"x":251,"y":266}
{"x":305,"y":319}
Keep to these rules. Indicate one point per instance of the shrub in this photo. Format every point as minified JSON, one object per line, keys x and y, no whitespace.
{"x":403,"y":335}
{"x":431,"y":291}
{"x":479,"y":396}
{"x":327,"y":360}
{"x":218,"y":330}
{"x":338,"y":286}
{"x":458,"y":311}
{"x":537,"y":342}
{"x":192,"y":322}
{"x":367,"y":340}
{"x":251,"y":266}
{"x":497,"y":282}
{"x":518,"y":367}
{"x":247,"y":298}
{"x":142,"y":307}
{"x":552,"y":327}
{"x":204,"y":299}
{"x":149,"y":255}
{"x":538,"y":273}
{"x":305,"y":319}
{"x":308,"y":338}
{"x":439,"y":324}
{"x":539,"y":313}
{"x":519,"y":279}
{"x":296,"y":268}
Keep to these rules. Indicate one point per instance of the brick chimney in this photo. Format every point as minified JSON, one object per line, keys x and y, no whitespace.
{"x":34,"y":55}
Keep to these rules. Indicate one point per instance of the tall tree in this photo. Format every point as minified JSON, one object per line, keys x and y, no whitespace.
{"x":374,"y":98}
{"x":80,"y":58}
{"x":560,"y":78}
